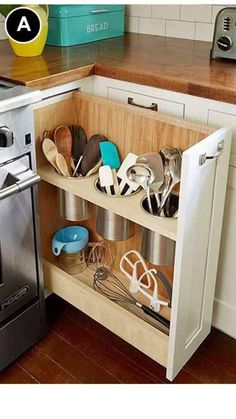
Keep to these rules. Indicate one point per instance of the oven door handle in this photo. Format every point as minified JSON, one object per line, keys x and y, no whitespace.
{"x":19,"y":186}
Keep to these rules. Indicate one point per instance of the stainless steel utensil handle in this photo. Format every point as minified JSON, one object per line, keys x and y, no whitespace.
{"x":152,"y":107}
{"x":19,"y":186}
{"x":97,"y":11}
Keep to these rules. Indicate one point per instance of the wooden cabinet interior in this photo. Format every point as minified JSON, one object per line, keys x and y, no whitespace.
{"x":132,"y":130}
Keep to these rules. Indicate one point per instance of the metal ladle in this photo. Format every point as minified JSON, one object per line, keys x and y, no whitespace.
{"x":144,"y":177}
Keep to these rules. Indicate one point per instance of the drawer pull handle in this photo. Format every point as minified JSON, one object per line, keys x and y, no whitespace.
{"x":97,"y":11}
{"x":152,"y":107}
{"x":204,"y":157}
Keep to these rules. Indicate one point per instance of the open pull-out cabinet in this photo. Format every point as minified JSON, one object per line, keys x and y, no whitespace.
{"x":196,"y":231}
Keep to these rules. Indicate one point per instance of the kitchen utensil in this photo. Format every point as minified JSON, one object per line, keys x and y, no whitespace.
{"x":129,"y":160}
{"x":63,"y":141}
{"x":111,"y":287}
{"x":77,"y":166}
{"x":71,"y":239}
{"x":50,"y":151}
{"x":103,"y":255}
{"x":62,"y":165}
{"x":144,"y":177}
{"x":92,"y":154}
{"x":144,"y":282}
{"x":79,"y":141}
{"x":110,"y":154}
{"x":106,"y":179}
{"x":113,"y":227}
{"x":73,"y":263}
{"x":154,"y":161}
{"x":175,"y":173}
{"x":115,"y":183}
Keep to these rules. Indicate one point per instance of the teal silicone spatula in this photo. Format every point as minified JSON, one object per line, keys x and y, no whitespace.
{"x":110,"y":154}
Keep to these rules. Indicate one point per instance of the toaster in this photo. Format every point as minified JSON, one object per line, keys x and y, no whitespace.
{"x":224,"y":39}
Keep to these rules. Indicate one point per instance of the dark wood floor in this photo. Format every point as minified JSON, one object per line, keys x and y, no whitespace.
{"x":79,"y":350}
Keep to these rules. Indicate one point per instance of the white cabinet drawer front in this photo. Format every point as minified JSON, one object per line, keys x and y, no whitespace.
{"x":164,"y":106}
{"x":219,"y":119}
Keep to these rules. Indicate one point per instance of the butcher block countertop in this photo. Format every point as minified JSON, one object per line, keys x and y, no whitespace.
{"x":168,"y":63}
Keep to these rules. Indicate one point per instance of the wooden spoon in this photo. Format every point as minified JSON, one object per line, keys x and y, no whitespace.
{"x":50,"y":151}
{"x":63,"y":141}
{"x":62,"y":165}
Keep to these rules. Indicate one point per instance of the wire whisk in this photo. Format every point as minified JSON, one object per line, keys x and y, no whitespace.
{"x":102,"y":255}
{"x":107,"y":284}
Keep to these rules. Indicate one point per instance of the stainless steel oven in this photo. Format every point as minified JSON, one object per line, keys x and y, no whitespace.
{"x":22,"y":312}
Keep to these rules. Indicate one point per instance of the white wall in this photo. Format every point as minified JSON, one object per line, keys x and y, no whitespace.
{"x":2,"y":30}
{"x":178,"y":21}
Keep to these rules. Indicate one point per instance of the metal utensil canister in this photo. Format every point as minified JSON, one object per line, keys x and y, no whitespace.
{"x":113,"y":227}
{"x":72,"y":207}
{"x":157,"y":249}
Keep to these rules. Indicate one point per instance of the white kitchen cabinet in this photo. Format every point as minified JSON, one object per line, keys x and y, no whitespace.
{"x":212,"y":113}
{"x":196,"y":231}
{"x":219,"y":119}
{"x":166,"y":106}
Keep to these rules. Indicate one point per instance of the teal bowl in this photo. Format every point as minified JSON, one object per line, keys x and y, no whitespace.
{"x":71,"y":239}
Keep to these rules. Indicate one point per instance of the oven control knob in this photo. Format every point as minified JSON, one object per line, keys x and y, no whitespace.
{"x":224,"y":43}
{"x":6,"y":137}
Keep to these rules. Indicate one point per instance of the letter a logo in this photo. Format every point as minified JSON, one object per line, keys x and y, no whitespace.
{"x":23,"y":24}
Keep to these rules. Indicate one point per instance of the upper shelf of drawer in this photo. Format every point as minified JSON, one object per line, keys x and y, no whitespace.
{"x":128,"y":207}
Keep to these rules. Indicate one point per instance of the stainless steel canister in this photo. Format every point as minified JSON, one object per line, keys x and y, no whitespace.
{"x":157,"y":249}
{"x":111,"y":226}
{"x":72,"y":207}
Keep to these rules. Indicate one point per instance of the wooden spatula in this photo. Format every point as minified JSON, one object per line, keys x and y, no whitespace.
{"x":63,"y":141}
{"x":50,"y":151}
{"x":62,"y":165}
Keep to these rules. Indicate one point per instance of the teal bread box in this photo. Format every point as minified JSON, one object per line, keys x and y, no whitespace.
{"x":78,"y":24}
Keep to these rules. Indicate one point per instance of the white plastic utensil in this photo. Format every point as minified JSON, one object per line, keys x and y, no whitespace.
{"x":106,"y":178}
{"x":129,"y":160}
{"x":133,"y":259}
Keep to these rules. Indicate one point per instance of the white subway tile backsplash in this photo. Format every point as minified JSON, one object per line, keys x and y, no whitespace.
{"x":131,"y":23}
{"x":152,"y":26}
{"x":204,"y":31}
{"x":191,"y":21}
{"x":196,"y":13}
{"x":169,"y":11}
{"x":178,"y":29}
{"x":139,"y":10}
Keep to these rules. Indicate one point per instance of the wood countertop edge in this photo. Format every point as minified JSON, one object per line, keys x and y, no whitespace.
{"x":221,"y":94}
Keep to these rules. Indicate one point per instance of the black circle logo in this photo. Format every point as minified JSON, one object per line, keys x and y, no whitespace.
{"x":23,"y":25}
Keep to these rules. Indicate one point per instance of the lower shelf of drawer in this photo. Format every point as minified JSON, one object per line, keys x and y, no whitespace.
{"x":124,"y":323}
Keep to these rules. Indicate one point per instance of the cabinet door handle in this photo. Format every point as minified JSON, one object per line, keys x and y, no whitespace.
{"x":204,"y":157}
{"x":97,"y":11}
{"x":152,"y":107}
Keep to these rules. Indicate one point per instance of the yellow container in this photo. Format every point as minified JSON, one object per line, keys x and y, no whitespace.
{"x":35,"y":47}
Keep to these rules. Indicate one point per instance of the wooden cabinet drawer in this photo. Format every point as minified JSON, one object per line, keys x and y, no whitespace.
{"x":164,"y":106}
{"x":196,"y":232}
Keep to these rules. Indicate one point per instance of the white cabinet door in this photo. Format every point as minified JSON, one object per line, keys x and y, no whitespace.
{"x":220,"y":119}
{"x":202,"y":198}
{"x":225,"y":295}
{"x":164,"y":106}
